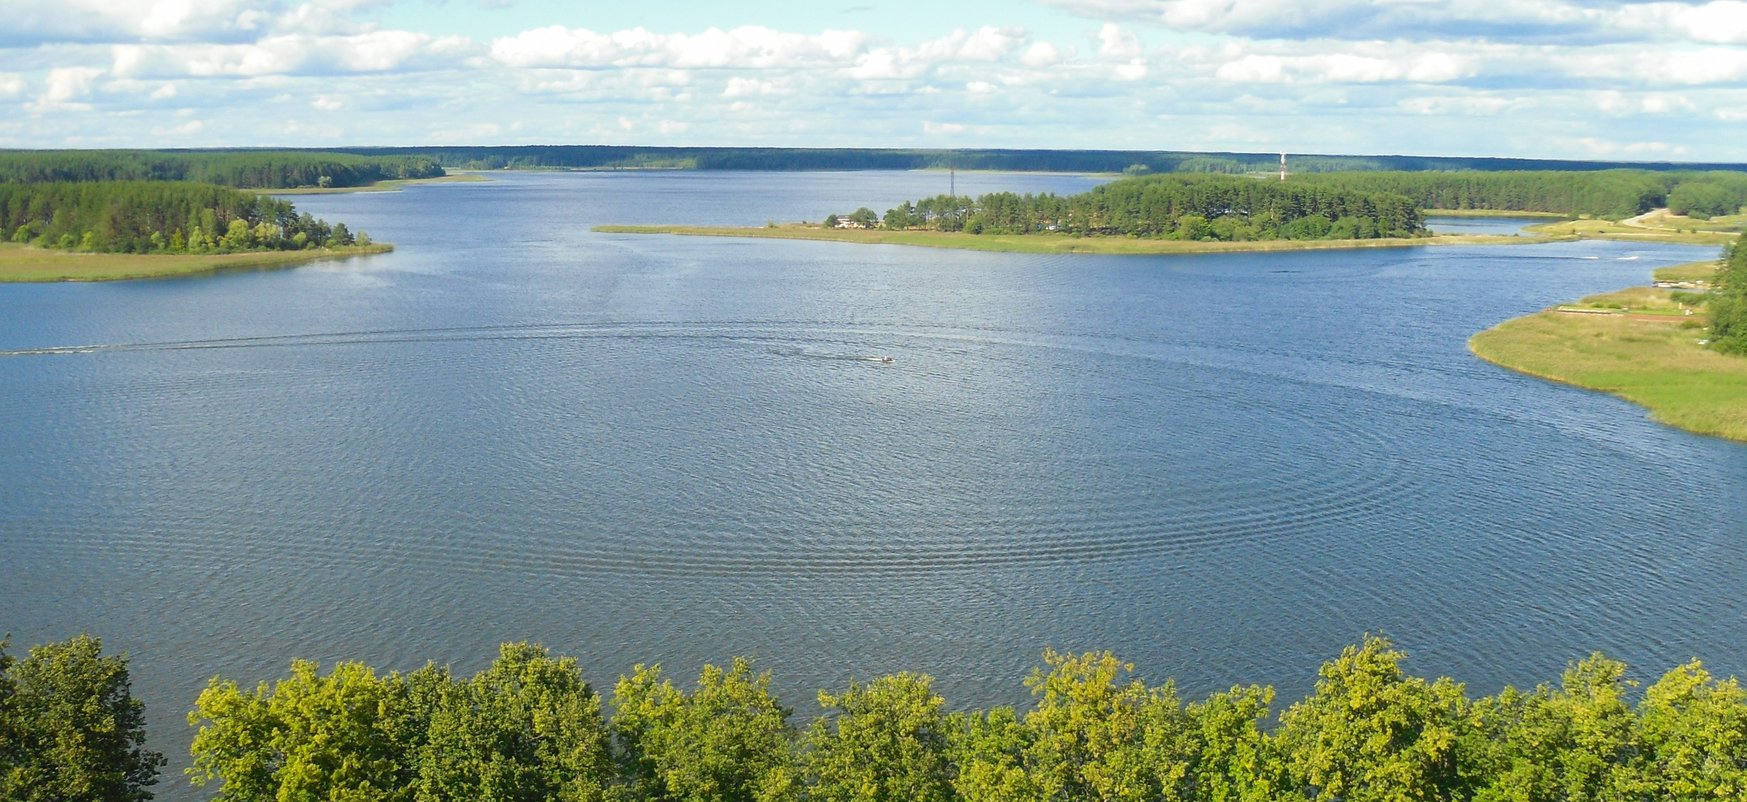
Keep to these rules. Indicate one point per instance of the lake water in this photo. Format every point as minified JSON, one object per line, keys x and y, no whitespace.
{"x":675,"y":450}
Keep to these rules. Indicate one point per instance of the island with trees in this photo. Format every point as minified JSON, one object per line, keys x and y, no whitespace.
{"x":1179,"y":212}
{"x":98,"y":230}
{"x":530,"y":726}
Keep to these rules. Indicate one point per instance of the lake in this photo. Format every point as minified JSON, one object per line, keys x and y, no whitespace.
{"x":663,"y":449}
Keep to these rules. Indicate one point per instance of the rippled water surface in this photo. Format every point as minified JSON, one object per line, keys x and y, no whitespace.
{"x":640,"y":449}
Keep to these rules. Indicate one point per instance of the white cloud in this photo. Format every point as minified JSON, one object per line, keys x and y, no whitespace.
{"x":1043,"y":54}
{"x":740,"y":86}
{"x":35,"y":21}
{"x":991,"y":44}
{"x":1608,"y":148}
{"x":11,"y":86}
{"x":68,"y":85}
{"x":379,"y":51}
{"x":1344,"y":68}
{"x":1569,"y":21}
{"x":746,"y":47}
{"x":1117,"y":43}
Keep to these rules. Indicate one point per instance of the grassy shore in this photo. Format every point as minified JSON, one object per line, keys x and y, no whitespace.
{"x":1639,"y":344}
{"x":1047,"y":243}
{"x":19,"y":263}
{"x":393,"y":185}
{"x":1657,"y":226}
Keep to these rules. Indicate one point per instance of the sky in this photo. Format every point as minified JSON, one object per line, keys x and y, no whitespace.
{"x":1619,"y":80}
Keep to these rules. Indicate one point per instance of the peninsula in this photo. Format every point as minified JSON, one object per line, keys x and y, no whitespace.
{"x":108,"y":230}
{"x":1675,"y":348}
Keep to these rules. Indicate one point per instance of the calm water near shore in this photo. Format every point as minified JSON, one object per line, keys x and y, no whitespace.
{"x":676,"y":449}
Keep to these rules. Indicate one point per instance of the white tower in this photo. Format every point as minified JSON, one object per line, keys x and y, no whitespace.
{"x":1282,"y":167}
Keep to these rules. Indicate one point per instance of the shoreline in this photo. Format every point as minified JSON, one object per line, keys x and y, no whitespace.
{"x":1485,"y":213}
{"x":21,"y":264}
{"x":1058,"y":243}
{"x":1637,"y":344}
{"x":391,"y":185}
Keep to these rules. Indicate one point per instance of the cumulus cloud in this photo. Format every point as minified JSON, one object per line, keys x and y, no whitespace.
{"x":1432,"y":67}
{"x":379,"y":51}
{"x":1220,"y":74}
{"x":747,"y":47}
{"x":1567,"y":21}
{"x":68,"y":86}
{"x":31,"y":22}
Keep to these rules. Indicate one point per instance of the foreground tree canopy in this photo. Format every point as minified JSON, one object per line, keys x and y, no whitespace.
{"x":70,"y":730}
{"x":159,"y":217}
{"x":530,"y":728}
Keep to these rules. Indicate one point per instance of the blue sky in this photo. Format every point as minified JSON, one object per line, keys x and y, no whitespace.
{"x":1534,"y":78}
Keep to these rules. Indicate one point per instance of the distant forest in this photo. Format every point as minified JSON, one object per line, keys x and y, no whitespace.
{"x":1612,"y":194}
{"x":1187,"y":207}
{"x":245,"y":169}
{"x":159,"y":217}
{"x":606,"y":157}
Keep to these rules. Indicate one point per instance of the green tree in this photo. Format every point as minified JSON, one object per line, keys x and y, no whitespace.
{"x":338,"y":736}
{"x":1234,"y":760}
{"x":526,"y":729}
{"x":238,"y":236}
{"x":1574,"y":743}
{"x":988,"y":749}
{"x":70,"y":729}
{"x":887,"y":743}
{"x":1088,"y":731}
{"x":1370,"y":733}
{"x":1693,"y":732}
{"x":1728,"y":303}
{"x":726,"y":742}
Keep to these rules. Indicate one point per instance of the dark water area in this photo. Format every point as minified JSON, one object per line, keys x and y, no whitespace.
{"x":1501,"y":226}
{"x":666,"y":449}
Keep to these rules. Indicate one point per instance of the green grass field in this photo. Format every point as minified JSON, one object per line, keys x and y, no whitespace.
{"x":1645,"y":350}
{"x":1046,"y":243}
{"x":1691,"y":271}
{"x":1655,"y":227}
{"x":21,"y":263}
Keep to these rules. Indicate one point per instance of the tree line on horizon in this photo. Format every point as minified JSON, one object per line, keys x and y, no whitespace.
{"x":243,"y":169}
{"x":1188,"y":207}
{"x":530,"y":727}
{"x":611,"y":157}
{"x":283,"y":168}
{"x":1611,"y":194}
{"x":159,"y":217}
